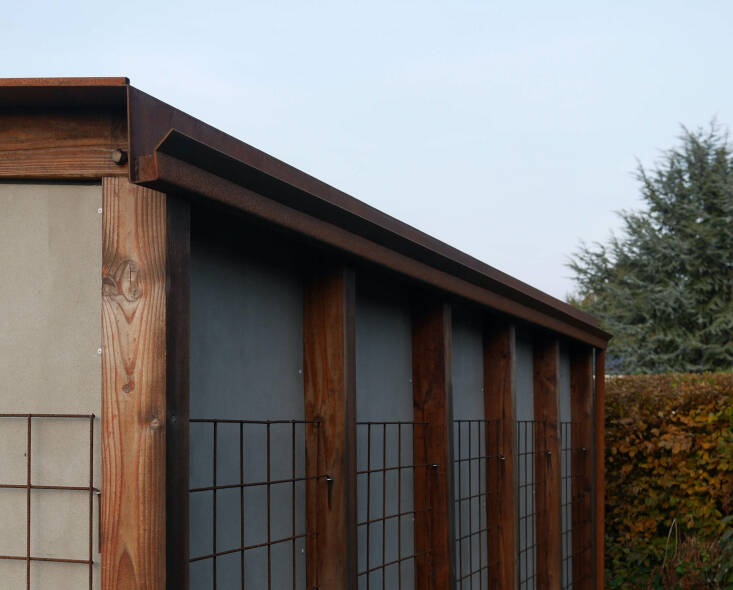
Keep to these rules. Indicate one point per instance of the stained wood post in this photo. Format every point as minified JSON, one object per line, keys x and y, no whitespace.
{"x":432,"y":389}
{"x":178,"y":315}
{"x":581,"y":402}
{"x":499,"y":343}
{"x":546,"y":361}
{"x":330,"y":396}
{"x":599,"y":464}
{"x":133,"y":386}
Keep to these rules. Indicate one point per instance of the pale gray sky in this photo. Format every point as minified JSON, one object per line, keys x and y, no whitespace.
{"x":507,"y":129}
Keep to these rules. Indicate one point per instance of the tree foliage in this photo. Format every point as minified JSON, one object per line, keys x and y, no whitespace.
{"x":664,"y":288}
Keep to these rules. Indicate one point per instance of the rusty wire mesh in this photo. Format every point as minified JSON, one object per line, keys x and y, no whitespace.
{"x":36,"y":488}
{"x":267,"y":473}
{"x":476,"y":445}
{"x":387,"y":552}
{"x":573,"y":520}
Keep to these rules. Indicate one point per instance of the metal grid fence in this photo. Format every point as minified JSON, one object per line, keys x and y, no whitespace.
{"x":30,"y":488}
{"x":476,"y":445}
{"x":385,"y":488}
{"x":528,"y":432}
{"x":571,"y":520}
{"x":267,"y":460}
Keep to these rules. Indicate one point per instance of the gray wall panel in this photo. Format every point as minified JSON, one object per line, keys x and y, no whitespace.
{"x":526,"y":462}
{"x":246,"y":364}
{"x":469,"y":443}
{"x":566,"y":466}
{"x":384,"y":393}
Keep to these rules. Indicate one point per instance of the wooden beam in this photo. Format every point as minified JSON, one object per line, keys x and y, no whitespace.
{"x":499,"y":403}
{"x":178,"y":321}
{"x":74,"y":144}
{"x":546,"y":362}
{"x":330,"y":397}
{"x":600,"y":463}
{"x":133,"y":386}
{"x":581,"y":403}
{"x":432,"y":390}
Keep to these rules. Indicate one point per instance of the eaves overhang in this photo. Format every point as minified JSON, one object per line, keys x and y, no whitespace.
{"x":171,"y":150}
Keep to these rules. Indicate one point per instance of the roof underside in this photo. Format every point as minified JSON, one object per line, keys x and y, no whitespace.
{"x":171,"y":150}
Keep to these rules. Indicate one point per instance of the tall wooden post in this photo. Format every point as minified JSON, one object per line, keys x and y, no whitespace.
{"x":178,"y":328}
{"x":599,"y":463}
{"x":581,"y":402}
{"x":431,"y":381}
{"x":546,"y":363}
{"x":499,"y":403}
{"x":133,"y":386}
{"x":330,"y":397}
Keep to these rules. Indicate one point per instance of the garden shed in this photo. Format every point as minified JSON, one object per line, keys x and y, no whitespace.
{"x":221,"y":373}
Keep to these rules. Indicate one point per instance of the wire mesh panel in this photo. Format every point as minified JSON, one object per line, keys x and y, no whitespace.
{"x":574,"y":518}
{"x":386,"y":505}
{"x":254,"y":499}
{"x":476,"y":444}
{"x":566,"y":513}
{"x":37,"y":492}
{"x":528,"y":451}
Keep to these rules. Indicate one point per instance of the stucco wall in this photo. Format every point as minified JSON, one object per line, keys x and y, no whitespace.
{"x":50,"y":328}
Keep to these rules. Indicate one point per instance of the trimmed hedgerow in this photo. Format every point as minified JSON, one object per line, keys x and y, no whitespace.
{"x":669,"y":480}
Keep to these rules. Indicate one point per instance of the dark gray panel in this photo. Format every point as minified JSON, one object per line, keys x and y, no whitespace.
{"x":566,"y":430}
{"x":468,"y":367}
{"x":469,"y":446}
{"x":246,"y":364}
{"x":384,"y":393}
{"x":526,"y":459}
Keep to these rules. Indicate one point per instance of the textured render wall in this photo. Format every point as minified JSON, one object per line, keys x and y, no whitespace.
{"x":50,"y":331}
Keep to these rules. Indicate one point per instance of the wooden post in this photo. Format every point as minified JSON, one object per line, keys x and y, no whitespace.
{"x":599,"y":463}
{"x":133,"y":386}
{"x":499,"y":404}
{"x":546,"y":360}
{"x":581,"y":402}
{"x":431,"y":382}
{"x":178,"y":322}
{"x":330,"y":396}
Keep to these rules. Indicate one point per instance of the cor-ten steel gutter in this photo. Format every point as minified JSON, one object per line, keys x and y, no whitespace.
{"x":171,"y":150}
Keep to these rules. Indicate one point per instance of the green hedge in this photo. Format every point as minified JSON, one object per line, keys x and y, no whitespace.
{"x":669,"y":481}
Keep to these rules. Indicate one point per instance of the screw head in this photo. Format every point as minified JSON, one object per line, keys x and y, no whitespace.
{"x":119,"y":157}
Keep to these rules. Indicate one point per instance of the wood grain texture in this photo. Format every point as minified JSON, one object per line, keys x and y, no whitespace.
{"x":546,"y":362}
{"x":330,"y":396}
{"x":599,"y":420}
{"x":133,"y":387}
{"x":499,"y":403}
{"x":432,"y":390}
{"x":178,"y":326}
{"x":64,"y":144}
{"x":581,"y":403}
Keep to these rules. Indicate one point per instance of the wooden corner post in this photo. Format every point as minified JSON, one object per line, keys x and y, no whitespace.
{"x":133,"y":386}
{"x":178,"y":332}
{"x":330,"y":397}
{"x":546,"y":361}
{"x":600,"y":464}
{"x":431,"y":383}
{"x":581,"y":404}
{"x":499,"y":402}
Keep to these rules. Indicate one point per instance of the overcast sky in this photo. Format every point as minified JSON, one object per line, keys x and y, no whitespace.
{"x":510,"y":130}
